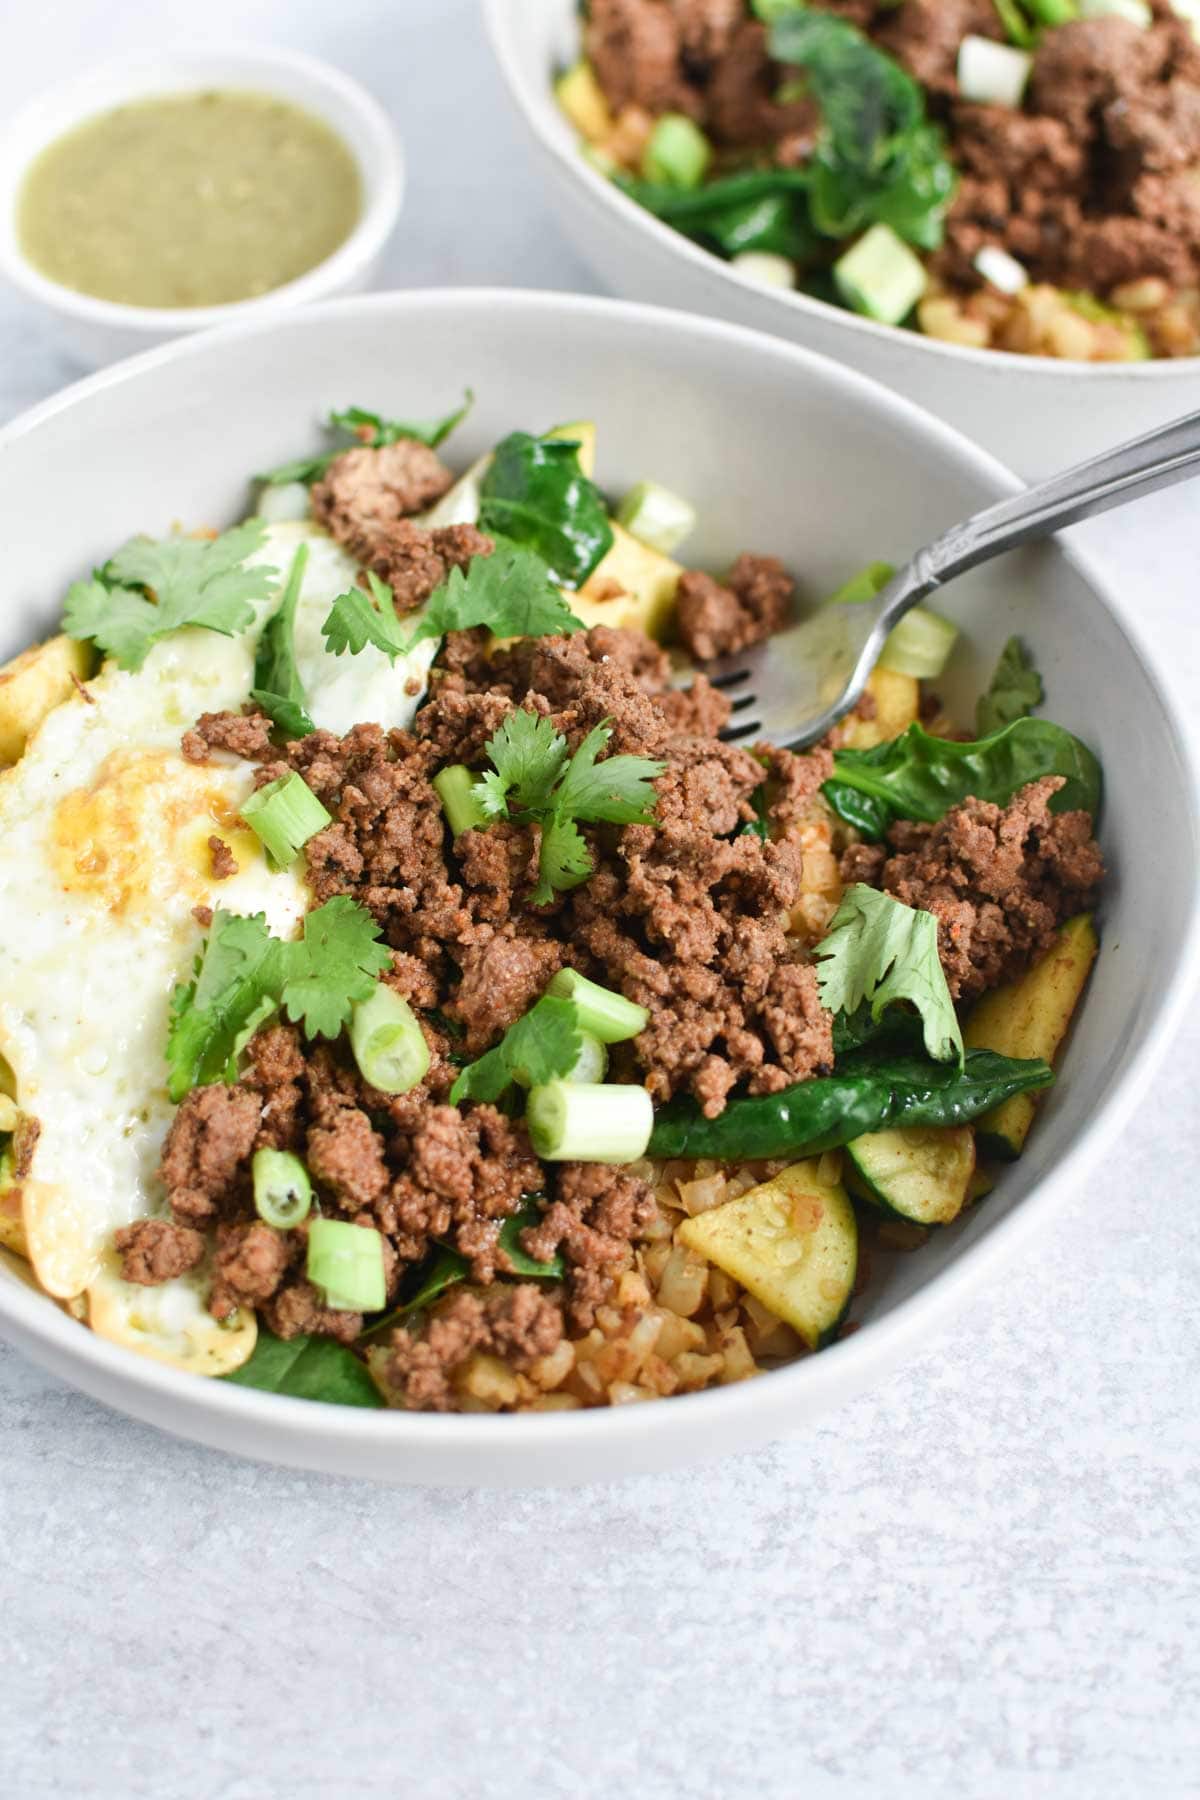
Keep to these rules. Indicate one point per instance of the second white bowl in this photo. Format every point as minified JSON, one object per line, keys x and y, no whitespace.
{"x":1036,"y":413}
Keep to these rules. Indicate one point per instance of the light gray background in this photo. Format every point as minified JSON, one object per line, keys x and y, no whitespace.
{"x":982,"y":1581}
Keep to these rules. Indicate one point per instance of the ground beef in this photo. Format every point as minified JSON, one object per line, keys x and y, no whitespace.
{"x":794,"y":782}
{"x":519,"y":1323}
{"x":635,"y":47}
{"x":706,"y":28}
{"x":250,"y":1264}
{"x":365,"y":491}
{"x":501,"y":979}
{"x":924,"y":37}
{"x":466,"y":1172}
{"x":155,"y":1250}
{"x":347,"y":1157}
{"x":999,"y":881}
{"x":210,"y":1141}
{"x":299,"y":1311}
{"x":224,"y":862}
{"x":714,"y":619}
{"x":244,"y":734}
{"x":596,"y":1214}
{"x":740,"y":103}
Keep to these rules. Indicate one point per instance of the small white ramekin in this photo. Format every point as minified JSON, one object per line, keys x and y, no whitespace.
{"x":99,"y":331}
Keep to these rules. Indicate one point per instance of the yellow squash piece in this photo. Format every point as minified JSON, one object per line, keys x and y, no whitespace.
{"x":583,"y":433}
{"x":633,"y":587}
{"x":582,"y":99}
{"x":33,"y":684}
{"x":897,"y":701}
{"x":1030,"y":1018}
{"x":793,"y":1242}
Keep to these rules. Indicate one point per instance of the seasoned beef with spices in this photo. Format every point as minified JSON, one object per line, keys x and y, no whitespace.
{"x":155,"y":1250}
{"x":715,"y":618}
{"x":519,"y":1323}
{"x":999,"y":880}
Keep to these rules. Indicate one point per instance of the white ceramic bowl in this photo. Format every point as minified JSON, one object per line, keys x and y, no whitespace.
{"x":99,"y":331}
{"x":1036,"y":413}
{"x":783,"y":452}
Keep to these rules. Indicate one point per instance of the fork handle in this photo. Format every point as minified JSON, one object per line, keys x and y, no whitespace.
{"x":1140,"y":467}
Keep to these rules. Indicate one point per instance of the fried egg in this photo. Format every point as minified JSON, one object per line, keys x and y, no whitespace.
{"x":106,"y":861}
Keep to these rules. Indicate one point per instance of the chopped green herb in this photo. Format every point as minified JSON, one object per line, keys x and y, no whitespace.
{"x":148,"y":589}
{"x":510,"y":592}
{"x":533,"y":779}
{"x":542,"y":1045}
{"x":1013,"y":692}
{"x":277,"y":688}
{"x":879,"y":950}
{"x":369,"y":428}
{"x":244,"y":975}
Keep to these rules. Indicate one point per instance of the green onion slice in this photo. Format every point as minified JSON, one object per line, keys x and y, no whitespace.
{"x":283,"y":816}
{"x":607,"y":1016}
{"x":282,"y":1190}
{"x":388,"y":1043}
{"x":346,"y":1263}
{"x":599,"y":1122}
{"x":454,"y":787}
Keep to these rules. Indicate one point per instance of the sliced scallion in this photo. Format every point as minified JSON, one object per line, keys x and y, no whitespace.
{"x":346,"y":1263}
{"x":283,"y":816}
{"x":598,"y":1122}
{"x":388,"y":1043}
{"x":607,"y":1016}
{"x":282,"y":1190}
{"x":677,"y":152}
{"x":454,"y":787}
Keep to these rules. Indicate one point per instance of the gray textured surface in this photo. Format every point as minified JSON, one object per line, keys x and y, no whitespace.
{"x":983,"y":1580}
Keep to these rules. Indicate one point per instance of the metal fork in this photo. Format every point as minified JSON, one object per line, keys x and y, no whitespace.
{"x":796,"y":686}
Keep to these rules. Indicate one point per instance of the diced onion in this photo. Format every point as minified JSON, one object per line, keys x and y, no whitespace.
{"x":991,"y":73}
{"x":1003,"y":271}
{"x":765,"y":268}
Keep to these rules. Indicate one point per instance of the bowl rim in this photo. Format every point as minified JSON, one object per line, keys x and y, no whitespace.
{"x":381,"y":167}
{"x":603,"y":195}
{"x":288,"y":1426}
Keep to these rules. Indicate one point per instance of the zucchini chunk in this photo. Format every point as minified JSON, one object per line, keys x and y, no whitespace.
{"x":897,"y":703}
{"x":793,"y":1242}
{"x":646,"y":580}
{"x":1030,"y":1018}
{"x":922,"y":1175}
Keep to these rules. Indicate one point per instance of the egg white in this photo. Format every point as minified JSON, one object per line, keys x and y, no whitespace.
{"x":105,"y":829}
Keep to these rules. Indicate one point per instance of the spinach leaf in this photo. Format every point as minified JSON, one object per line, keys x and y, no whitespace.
{"x":878,"y":160}
{"x":1013,"y":692}
{"x":870,"y":1091}
{"x":916,"y":776}
{"x":307,"y":1368}
{"x":535,"y":494}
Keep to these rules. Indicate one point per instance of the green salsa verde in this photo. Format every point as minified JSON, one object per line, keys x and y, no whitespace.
{"x":189,"y":200}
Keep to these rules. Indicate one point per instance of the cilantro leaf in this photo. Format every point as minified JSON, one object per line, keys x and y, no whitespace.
{"x":509,"y":591}
{"x":528,"y":754}
{"x":335,"y":963}
{"x":356,"y":620}
{"x":369,"y":428}
{"x":431,"y":432}
{"x":150,"y":588}
{"x":244,"y":976}
{"x":563,"y":862}
{"x":543,"y":1045}
{"x":278,"y":689}
{"x":879,"y":950}
{"x":618,"y":790}
{"x":1013,"y":692}
{"x":534,"y":781}
{"x":211,"y":1016}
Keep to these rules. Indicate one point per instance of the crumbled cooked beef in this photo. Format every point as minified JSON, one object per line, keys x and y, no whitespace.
{"x":635,"y":47}
{"x":519,"y":1323}
{"x":741,"y":101}
{"x":924,"y":36}
{"x":999,"y":881}
{"x":502,"y":976}
{"x":210,"y":1140}
{"x":706,"y":28}
{"x":249,"y":1267}
{"x":155,"y":1250}
{"x":467,"y":1172}
{"x":299,"y":1311}
{"x":224,"y":862}
{"x":244,"y":734}
{"x":597,"y":1213}
{"x":714,"y":619}
{"x":366,"y":490}
{"x":794,"y":782}
{"x":347,"y":1157}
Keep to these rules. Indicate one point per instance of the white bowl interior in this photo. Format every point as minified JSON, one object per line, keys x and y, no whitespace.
{"x":319,"y":89}
{"x":782,"y":453}
{"x":1036,"y":413}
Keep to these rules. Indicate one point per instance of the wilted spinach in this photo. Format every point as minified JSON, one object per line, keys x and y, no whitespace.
{"x":535,"y":494}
